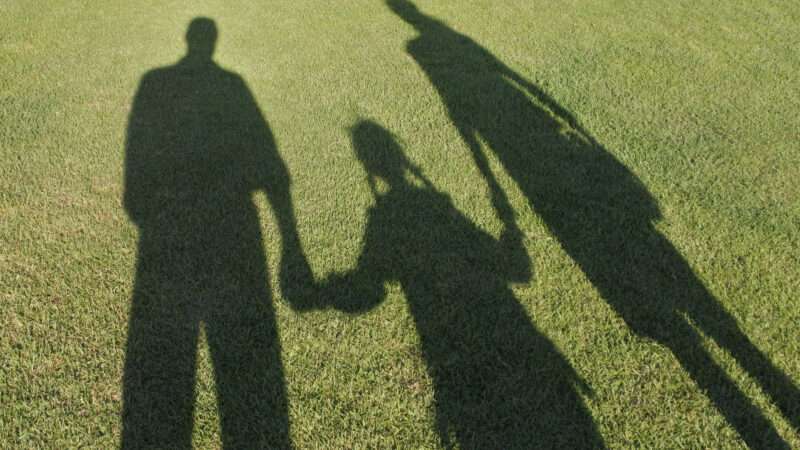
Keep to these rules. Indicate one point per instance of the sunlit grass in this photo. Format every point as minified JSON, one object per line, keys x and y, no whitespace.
{"x":698,"y":101}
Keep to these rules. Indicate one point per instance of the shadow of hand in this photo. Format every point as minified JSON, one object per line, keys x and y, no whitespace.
{"x":347,"y":293}
{"x":341,"y":291}
{"x":298,"y":286}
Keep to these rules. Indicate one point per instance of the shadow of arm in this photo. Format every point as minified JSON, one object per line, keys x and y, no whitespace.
{"x":510,"y":255}
{"x":265,"y":169}
{"x":140,"y":180}
{"x":544,"y":98}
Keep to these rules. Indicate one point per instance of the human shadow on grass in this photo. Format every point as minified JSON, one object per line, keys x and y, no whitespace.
{"x":498,"y":382}
{"x":601,"y":214}
{"x":197,"y":148}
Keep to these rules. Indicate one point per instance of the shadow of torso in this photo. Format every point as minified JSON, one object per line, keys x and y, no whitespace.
{"x":190,"y":169}
{"x":498,"y":381}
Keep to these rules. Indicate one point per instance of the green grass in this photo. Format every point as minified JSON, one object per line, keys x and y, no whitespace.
{"x":619,"y":268}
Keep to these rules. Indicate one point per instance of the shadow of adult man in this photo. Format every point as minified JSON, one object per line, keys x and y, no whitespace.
{"x":197,"y":148}
{"x":601,"y":214}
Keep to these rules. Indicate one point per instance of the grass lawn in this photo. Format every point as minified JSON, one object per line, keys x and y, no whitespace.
{"x":380,"y":224}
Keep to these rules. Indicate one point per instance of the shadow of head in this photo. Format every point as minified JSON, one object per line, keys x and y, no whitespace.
{"x":407,"y":10}
{"x":201,"y":38}
{"x":379,"y":153}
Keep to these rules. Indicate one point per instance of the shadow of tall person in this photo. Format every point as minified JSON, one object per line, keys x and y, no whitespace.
{"x":498,"y":382}
{"x":197,"y":148}
{"x":600,"y":213}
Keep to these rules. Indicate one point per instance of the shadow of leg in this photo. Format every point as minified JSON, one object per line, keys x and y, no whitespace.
{"x":158,"y":390}
{"x":726,"y":332}
{"x":249,"y":376}
{"x":651,"y":286}
{"x":746,"y":418}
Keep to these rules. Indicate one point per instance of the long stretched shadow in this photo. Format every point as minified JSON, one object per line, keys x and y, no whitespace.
{"x":197,"y":148}
{"x":498,"y":382}
{"x":601,"y":214}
